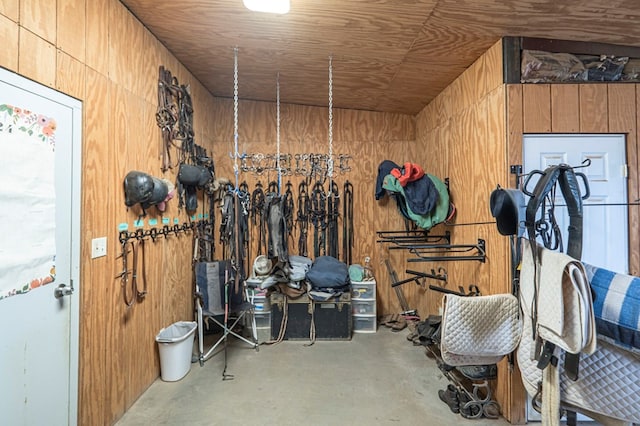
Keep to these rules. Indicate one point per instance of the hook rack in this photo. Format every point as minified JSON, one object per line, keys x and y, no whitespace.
{"x":307,"y":165}
{"x":516,"y":169}
{"x":165,"y":231}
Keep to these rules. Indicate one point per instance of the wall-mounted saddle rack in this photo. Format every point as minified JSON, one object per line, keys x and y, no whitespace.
{"x":441,"y":275}
{"x":473,"y":290}
{"x":411,"y":238}
{"x":448,"y":252}
{"x":420,"y":276}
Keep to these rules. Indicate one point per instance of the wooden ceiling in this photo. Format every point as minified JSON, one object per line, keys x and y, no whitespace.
{"x":387,"y":55}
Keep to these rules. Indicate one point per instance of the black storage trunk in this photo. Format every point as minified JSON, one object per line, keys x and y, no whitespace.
{"x":332,"y":318}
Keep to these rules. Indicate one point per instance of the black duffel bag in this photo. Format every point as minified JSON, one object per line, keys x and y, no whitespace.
{"x":328,"y":272}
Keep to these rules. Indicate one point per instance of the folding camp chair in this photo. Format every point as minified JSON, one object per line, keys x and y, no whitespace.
{"x":217,"y":301}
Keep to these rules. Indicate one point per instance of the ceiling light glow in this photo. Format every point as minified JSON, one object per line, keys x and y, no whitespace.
{"x":269,"y":6}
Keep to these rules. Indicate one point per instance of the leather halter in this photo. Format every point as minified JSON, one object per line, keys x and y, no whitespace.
{"x":566,"y":178}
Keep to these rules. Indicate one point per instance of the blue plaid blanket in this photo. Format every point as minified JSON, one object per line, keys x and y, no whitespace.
{"x":616,"y":306}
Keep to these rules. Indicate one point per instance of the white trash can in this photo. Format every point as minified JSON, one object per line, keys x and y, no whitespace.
{"x":175,"y":344}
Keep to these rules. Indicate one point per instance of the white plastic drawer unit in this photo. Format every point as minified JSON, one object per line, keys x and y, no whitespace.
{"x":363,"y":307}
{"x":363,"y":290}
{"x":263,"y":319}
{"x":260,"y":300}
{"x":364,"y":324}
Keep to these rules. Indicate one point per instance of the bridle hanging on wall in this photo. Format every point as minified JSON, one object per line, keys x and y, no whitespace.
{"x":258,"y":202}
{"x":303,"y":213}
{"x":318,"y":218}
{"x":288,"y":210}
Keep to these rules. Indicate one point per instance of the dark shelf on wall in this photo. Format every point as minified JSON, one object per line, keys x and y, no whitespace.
{"x":512,"y":49}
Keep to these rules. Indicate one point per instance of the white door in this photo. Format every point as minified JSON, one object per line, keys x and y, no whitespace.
{"x":605,"y":234}
{"x":40,"y":140}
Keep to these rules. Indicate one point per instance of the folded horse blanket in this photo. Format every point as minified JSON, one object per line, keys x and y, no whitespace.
{"x":616,"y":306}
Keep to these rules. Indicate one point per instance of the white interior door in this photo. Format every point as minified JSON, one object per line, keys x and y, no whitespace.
{"x":605,"y":233}
{"x":40,"y":131}
{"x":605,"y":225}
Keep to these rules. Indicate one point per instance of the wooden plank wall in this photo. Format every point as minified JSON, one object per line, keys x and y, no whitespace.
{"x":576,"y":108}
{"x":463,"y":137}
{"x":581,"y":108}
{"x":368,"y":137}
{"x":96,"y":51}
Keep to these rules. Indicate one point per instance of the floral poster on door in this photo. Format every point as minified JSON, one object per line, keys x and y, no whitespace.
{"x":27,"y":196}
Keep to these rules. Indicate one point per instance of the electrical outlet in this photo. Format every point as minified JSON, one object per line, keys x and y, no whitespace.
{"x":98,"y":247}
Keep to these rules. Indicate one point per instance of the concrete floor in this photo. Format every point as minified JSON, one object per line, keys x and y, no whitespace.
{"x":373,"y":379}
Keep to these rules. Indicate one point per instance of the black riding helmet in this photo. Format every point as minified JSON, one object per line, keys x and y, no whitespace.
{"x":159,"y":193}
{"x":140,"y":187}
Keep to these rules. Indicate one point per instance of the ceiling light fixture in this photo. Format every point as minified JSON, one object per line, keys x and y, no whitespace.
{"x":269,"y":6}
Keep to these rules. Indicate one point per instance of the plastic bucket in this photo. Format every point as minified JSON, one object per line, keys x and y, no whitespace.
{"x":175,"y":344}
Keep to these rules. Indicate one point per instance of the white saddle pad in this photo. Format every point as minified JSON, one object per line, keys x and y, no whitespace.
{"x":479,"y":330}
